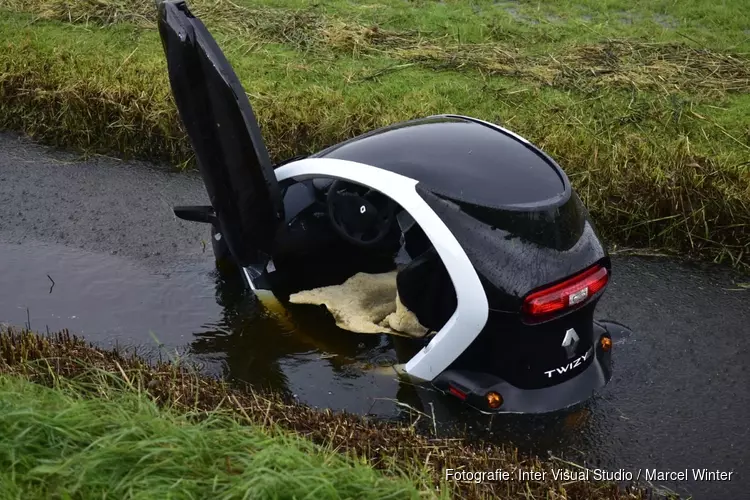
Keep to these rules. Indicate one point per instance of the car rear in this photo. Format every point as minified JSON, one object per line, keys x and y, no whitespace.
{"x":541,"y":349}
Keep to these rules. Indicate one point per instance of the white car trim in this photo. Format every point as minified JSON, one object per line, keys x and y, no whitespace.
{"x":472,"y":308}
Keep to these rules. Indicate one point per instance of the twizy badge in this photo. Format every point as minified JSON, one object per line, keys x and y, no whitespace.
{"x":570,"y":366}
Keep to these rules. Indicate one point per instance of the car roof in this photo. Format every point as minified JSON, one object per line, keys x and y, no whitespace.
{"x":463,"y":159}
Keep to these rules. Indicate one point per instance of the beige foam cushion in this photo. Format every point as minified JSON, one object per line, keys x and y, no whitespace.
{"x":365,"y":303}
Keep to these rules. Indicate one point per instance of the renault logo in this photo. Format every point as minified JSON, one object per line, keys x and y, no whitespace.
{"x":570,"y":341}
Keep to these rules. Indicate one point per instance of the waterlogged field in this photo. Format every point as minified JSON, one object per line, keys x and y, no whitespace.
{"x":644,"y":104}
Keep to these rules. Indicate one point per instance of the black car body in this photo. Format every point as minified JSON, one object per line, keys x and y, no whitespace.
{"x":503,"y":262}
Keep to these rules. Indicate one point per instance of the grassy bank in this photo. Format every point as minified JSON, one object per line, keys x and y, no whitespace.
{"x":84,"y":421}
{"x":645,"y":105}
{"x":58,"y":443}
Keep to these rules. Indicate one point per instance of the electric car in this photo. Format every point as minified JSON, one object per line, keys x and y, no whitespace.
{"x":498,"y":256}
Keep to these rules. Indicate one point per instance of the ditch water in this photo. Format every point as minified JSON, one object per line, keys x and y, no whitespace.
{"x":678,"y":398}
{"x":92,"y":246}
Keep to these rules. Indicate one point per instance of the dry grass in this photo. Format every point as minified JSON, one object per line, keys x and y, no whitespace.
{"x":102,"y":12}
{"x":665,"y":67}
{"x":662,"y":67}
{"x":384,"y":445}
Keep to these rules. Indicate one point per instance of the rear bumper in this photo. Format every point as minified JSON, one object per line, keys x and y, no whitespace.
{"x":515,"y":400}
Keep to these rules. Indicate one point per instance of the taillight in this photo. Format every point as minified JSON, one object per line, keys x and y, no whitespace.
{"x":571,"y":294}
{"x":457,"y":392}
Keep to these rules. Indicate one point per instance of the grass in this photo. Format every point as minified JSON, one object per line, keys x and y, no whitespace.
{"x":58,"y":443}
{"x":644,"y":104}
{"x":78,"y":421}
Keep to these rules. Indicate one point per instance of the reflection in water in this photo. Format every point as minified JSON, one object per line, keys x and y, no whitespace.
{"x":259,"y":347}
{"x":687,"y":348}
{"x":332,"y":368}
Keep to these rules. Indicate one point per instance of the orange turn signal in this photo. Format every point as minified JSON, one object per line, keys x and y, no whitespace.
{"x":606,"y":343}
{"x":494,"y":400}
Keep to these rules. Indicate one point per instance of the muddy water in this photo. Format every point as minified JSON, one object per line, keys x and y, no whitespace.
{"x":679,"y":394}
{"x":105,"y":298}
{"x":678,"y":398}
{"x":126,"y":272}
{"x":188,"y":310}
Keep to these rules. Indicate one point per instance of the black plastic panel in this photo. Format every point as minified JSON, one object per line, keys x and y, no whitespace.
{"x":510,"y":263}
{"x":224,"y":133}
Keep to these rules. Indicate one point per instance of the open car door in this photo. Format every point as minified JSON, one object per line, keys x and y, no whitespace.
{"x":247,"y":207}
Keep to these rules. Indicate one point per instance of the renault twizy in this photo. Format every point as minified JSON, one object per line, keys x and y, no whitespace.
{"x":502,"y":265}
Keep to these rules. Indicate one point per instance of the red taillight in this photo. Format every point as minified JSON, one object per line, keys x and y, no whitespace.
{"x":570,"y":294}
{"x":457,"y":392}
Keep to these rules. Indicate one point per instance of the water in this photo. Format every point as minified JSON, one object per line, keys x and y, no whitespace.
{"x":190,"y":311}
{"x":104,"y":298}
{"x":678,"y":398}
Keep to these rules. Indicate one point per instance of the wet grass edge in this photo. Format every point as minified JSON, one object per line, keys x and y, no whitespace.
{"x":397,"y":450}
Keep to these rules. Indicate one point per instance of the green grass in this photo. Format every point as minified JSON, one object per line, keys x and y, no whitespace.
{"x":60,"y":443}
{"x":644,"y":104}
{"x":535,"y":25}
{"x":100,"y":420}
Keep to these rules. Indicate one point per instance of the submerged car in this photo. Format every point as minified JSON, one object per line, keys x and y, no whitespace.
{"x":503,"y":263}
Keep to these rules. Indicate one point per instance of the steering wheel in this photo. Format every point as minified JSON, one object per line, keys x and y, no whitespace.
{"x":360,"y":215}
